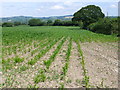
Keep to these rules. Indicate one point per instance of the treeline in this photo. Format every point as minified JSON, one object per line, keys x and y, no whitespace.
{"x":90,"y":18}
{"x":11,"y":24}
{"x":38,"y":22}
{"x":106,"y":25}
{"x":57,"y":22}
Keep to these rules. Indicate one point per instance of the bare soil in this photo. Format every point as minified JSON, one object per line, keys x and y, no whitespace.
{"x":101,"y":61}
{"x":55,"y":69}
{"x":26,"y":78}
{"x":74,"y":75}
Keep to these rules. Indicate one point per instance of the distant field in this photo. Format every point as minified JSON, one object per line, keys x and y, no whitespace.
{"x":58,"y":56}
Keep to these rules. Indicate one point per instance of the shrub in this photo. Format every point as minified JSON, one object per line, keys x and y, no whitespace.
{"x":57,"y":22}
{"x":17,"y":23}
{"x":7,"y":24}
{"x":35,"y":22}
{"x":115,"y":26}
{"x":80,"y":23}
{"x":103,"y":26}
{"x":67,"y":23}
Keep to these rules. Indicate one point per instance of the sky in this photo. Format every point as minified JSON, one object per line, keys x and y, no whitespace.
{"x":47,"y":8}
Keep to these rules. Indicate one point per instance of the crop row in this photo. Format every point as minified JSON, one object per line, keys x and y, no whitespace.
{"x":41,"y":77}
{"x":86,"y":77}
{"x":7,"y":62}
{"x":68,"y":53}
{"x":52,"y":57}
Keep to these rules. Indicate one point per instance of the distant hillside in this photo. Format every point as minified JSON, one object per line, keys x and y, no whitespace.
{"x":25,"y":19}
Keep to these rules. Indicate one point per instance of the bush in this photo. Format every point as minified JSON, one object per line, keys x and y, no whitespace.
{"x":35,"y":22}
{"x":115,"y":26}
{"x":67,"y":23}
{"x":57,"y":22}
{"x":80,"y":23}
{"x":103,"y":26}
{"x":7,"y":24}
{"x":17,"y":23}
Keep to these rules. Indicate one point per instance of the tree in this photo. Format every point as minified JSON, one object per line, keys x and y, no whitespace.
{"x":88,"y":15}
{"x":35,"y":22}
{"x":57,"y":22}
{"x":17,"y":23}
{"x":49,"y":22}
{"x":68,"y":23}
{"x":7,"y":24}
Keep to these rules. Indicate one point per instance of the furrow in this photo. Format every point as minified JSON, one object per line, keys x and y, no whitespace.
{"x":55,"y":70}
{"x":74,"y":74}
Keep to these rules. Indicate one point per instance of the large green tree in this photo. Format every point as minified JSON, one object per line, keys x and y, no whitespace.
{"x":88,"y":15}
{"x":35,"y":22}
{"x":57,"y":22}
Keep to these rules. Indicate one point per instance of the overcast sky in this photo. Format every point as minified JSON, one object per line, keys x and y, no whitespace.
{"x":41,"y":9}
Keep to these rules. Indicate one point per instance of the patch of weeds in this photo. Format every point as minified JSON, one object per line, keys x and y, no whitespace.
{"x":48,"y":78}
{"x":1,"y":85}
{"x":34,"y":87}
{"x":18,"y":60}
{"x":23,"y":68}
{"x":32,"y":62}
{"x":6,"y":64}
{"x":61,"y":86}
{"x":61,"y":77}
{"x":69,"y":81}
{"x":9,"y":81}
{"x":29,"y":49}
{"x":64,"y":50}
{"x":55,"y":76}
{"x":5,"y":61}
{"x":40,"y":77}
{"x":61,"y":55}
{"x":78,"y":81}
{"x":47,"y":63}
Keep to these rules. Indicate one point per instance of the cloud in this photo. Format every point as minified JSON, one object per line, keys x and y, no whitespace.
{"x":38,"y":9}
{"x":113,"y":6}
{"x":68,"y":3}
{"x":57,"y":7}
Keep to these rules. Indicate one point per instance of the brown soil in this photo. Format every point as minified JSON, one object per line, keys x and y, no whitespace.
{"x":102,"y":64}
{"x":55,"y":69}
{"x":25,"y":78}
{"x":74,"y":75}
